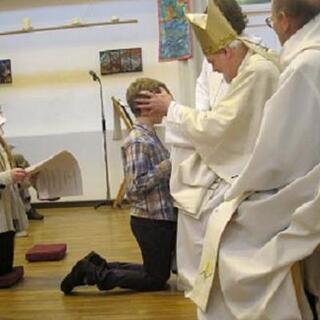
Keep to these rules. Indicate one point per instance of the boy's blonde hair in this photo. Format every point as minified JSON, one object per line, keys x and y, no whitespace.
{"x":142,"y":84}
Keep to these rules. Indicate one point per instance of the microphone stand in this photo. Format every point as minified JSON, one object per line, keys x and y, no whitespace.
{"x":104,"y":133}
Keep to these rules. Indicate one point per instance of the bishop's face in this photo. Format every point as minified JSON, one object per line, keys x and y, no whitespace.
{"x":221,"y":63}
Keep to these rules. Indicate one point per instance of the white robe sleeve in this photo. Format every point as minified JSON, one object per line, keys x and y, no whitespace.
{"x":174,"y":135}
{"x":202,"y":87}
{"x":210,"y":88}
{"x":226,"y":132}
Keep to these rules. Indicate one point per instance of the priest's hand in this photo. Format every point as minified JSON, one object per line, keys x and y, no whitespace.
{"x":156,"y":104}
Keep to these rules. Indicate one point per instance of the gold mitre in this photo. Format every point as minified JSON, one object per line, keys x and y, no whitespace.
{"x":213,"y":31}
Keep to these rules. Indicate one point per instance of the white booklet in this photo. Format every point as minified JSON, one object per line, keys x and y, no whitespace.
{"x":57,"y":176}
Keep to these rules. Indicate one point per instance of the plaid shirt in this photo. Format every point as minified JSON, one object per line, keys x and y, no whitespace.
{"x":147,"y":172}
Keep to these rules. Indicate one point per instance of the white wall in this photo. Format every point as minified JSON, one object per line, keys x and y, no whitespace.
{"x":53,"y":103}
{"x":257,"y":26}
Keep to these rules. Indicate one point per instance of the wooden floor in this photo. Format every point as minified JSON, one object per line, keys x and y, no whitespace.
{"x":106,"y":231}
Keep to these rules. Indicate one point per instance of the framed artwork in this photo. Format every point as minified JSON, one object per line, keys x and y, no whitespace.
{"x":5,"y":71}
{"x":174,"y":30}
{"x":120,"y":60}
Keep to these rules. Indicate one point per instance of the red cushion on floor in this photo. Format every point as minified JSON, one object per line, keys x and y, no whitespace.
{"x":46,"y":252}
{"x":11,"y":278}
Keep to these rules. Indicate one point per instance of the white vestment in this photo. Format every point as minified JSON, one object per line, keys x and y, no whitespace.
{"x":211,"y":86}
{"x":254,"y":238}
{"x":222,"y":139}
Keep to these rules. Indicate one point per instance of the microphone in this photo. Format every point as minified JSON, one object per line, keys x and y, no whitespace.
{"x":94,"y":75}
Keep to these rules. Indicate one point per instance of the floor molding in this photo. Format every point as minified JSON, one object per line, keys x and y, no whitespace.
{"x":71,"y":204}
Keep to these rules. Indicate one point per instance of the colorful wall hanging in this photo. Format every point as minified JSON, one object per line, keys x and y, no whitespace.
{"x":174,"y":30}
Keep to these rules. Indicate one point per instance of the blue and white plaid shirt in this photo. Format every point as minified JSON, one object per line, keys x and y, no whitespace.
{"x":147,"y":171}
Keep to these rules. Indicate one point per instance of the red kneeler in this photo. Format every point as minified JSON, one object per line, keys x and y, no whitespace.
{"x":46,"y":252}
{"x":11,"y":278}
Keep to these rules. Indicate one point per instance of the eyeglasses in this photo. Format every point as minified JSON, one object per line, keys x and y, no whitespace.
{"x":269,"y":22}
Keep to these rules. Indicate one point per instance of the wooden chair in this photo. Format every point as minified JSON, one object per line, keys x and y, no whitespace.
{"x":298,"y":273}
{"x":120,"y":109}
{"x":297,"y":282}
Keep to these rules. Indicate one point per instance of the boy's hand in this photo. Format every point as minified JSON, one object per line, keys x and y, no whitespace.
{"x":18,"y":175}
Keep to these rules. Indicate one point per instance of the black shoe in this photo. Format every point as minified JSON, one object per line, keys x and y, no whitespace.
{"x":75,"y":277}
{"x":33,"y":214}
{"x":95,"y":259}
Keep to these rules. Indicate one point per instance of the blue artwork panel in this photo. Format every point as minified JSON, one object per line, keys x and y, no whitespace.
{"x":174,"y":29}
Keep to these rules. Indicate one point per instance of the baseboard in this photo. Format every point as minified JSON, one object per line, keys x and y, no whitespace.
{"x":68,"y":204}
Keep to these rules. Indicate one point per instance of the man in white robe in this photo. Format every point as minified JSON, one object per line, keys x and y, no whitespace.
{"x":223,"y":137}
{"x":210,"y":88}
{"x":272,"y":217}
